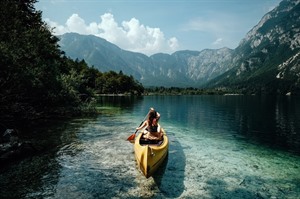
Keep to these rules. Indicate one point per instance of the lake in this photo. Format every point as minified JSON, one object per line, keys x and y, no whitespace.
{"x":220,"y":147}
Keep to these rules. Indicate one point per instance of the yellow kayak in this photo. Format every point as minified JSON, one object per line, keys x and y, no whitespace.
{"x":150,"y":155}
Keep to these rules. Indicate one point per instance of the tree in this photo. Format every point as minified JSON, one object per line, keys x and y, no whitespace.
{"x":36,"y":77}
{"x":30,"y":58}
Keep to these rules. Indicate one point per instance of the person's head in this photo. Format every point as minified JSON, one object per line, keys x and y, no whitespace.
{"x":152,"y":117}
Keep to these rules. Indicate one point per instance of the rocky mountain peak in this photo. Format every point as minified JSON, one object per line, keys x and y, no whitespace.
{"x":275,"y":23}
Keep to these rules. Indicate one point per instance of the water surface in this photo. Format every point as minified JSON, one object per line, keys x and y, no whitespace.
{"x":220,"y":147}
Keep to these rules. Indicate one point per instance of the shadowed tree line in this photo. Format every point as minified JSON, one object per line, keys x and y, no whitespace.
{"x":36,"y":78}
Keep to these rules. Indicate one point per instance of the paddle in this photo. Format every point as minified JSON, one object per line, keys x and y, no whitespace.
{"x":131,"y":137}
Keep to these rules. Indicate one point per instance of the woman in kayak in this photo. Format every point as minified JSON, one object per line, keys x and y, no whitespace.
{"x":152,"y":128}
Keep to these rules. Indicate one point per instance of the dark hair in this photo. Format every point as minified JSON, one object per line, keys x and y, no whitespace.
{"x":152,"y":117}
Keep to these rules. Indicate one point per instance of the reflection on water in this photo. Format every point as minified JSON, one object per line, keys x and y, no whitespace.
{"x":220,"y":147}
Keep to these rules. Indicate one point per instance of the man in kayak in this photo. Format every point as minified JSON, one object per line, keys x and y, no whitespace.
{"x":152,"y":128}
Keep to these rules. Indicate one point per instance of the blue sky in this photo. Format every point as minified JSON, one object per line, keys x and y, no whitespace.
{"x":153,"y":26}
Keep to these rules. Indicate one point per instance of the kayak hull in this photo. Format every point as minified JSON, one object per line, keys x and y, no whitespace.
{"x":150,"y":156}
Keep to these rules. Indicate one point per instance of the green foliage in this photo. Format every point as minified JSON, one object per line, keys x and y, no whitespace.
{"x":29,"y":58}
{"x":36,"y":79}
{"x":114,"y":83}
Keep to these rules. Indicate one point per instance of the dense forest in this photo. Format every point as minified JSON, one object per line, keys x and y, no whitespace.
{"x":186,"y":91}
{"x":36,"y":78}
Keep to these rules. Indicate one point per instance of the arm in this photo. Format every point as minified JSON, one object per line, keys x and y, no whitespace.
{"x":157,"y":116}
{"x":157,"y":113}
{"x":158,"y":128}
{"x":142,"y":126}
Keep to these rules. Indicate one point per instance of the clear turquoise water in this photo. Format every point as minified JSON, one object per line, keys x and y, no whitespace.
{"x":220,"y":147}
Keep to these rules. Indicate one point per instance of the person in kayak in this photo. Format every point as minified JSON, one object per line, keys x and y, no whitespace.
{"x":152,"y":128}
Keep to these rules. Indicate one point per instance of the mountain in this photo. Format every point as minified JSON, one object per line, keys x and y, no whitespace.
{"x":266,"y":60}
{"x":181,"y":69}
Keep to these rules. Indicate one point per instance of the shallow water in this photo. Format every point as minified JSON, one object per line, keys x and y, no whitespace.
{"x":220,"y":147}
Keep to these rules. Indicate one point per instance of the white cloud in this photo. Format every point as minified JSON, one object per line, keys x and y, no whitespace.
{"x":218,"y":42}
{"x":130,"y":35}
{"x":173,"y":43}
{"x":76,"y":24}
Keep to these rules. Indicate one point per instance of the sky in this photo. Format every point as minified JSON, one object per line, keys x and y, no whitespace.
{"x":158,"y":26}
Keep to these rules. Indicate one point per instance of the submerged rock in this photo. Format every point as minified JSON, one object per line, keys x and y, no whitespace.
{"x":12,"y":148}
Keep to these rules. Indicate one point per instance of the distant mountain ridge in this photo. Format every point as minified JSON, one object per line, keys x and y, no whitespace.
{"x":181,"y":69}
{"x":267,"y":59}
